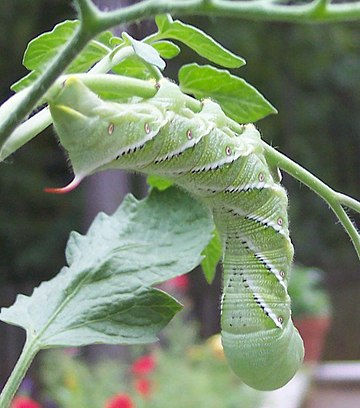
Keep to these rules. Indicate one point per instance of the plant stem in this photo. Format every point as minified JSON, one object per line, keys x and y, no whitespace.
{"x":27,"y":355}
{"x":112,"y":59}
{"x":25,"y":132}
{"x":349,"y":202}
{"x":318,"y":11}
{"x":266,"y":10}
{"x":42,"y":84}
{"x":334,"y":199}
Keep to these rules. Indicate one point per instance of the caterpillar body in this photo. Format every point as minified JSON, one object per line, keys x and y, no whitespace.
{"x":223,"y":164}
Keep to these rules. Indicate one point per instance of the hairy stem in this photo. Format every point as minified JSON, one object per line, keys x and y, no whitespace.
{"x":112,"y":59}
{"x":42,"y":84}
{"x":335,"y":200}
{"x":29,"y":352}
{"x":349,"y":202}
{"x":266,"y":10}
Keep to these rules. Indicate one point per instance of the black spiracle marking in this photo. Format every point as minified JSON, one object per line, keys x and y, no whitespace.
{"x":129,"y":151}
{"x":203,"y":169}
{"x":247,"y":189}
{"x":168,"y":157}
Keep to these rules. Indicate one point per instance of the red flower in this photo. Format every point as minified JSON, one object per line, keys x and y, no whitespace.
{"x":120,"y":401}
{"x":24,"y":402}
{"x":143,"y":386}
{"x":143,"y":365}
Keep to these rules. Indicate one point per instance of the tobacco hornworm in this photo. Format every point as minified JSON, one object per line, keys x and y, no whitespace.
{"x":223,"y":164}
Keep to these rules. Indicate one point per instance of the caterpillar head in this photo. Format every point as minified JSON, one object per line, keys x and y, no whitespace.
{"x":93,"y":132}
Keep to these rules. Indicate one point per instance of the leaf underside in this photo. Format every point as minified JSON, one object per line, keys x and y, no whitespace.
{"x":104,"y":295}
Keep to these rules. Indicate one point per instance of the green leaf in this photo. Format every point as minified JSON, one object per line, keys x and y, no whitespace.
{"x":145,"y":52}
{"x":166,"y":49}
{"x":115,"y":41}
{"x":41,"y":50}
{"x":212,"y":253}
{"x":37,"y":50}
{"x":158,"y":182}
{"x":239,"y":100}
{"x":163,"y":21}
{"x":105,"y":294}
{"x":197,"y":40}
{"x":132,"y":66}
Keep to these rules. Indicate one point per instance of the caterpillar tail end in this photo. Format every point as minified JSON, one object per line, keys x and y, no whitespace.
{"x":63,"y":190}
{"x":268,"y":363}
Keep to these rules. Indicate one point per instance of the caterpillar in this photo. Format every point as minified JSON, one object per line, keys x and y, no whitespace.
{"x":222,"y":164}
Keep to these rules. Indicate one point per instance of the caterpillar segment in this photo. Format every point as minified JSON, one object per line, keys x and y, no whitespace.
{"x":221,"y":163}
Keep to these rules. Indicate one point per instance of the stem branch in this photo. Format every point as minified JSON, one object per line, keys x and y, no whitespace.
{"x":42,"y":84}
{"x":334,"y":199}
{"x":27,"y":355}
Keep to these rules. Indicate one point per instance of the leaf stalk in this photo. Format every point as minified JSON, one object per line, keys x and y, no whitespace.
{"x":27,"y":355}
{"x":335,"y":200}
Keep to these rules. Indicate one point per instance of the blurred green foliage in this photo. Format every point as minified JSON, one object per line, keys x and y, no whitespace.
{"x":184,"y":373}
{"x":308,"y":295}
{"x":70,"y":381}
{"x":192,"y":374}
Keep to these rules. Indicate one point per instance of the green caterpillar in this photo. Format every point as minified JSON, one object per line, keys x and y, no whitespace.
{"x":223,"y":164}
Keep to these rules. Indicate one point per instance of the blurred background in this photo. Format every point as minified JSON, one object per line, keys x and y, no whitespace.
{"x":310,"y":73}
